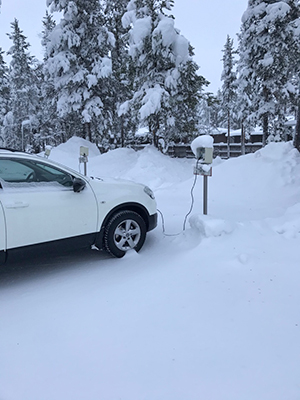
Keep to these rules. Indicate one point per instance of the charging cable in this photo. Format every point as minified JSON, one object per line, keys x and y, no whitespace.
{"x":190,"y":210}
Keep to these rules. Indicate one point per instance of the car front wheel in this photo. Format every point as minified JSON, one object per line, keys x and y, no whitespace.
{"x":125,"y":230}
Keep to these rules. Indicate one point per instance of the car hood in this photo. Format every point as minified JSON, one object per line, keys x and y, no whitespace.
{"x":115,"y":181}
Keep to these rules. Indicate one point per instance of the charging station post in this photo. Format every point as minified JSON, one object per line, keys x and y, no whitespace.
{"x":202,"y":148}
{"x":205,"y":194}
{"x":47,"y":151}
{"x":83,"y":157}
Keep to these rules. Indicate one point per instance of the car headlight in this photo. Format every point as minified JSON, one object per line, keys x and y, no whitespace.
{"x":149,"y":192}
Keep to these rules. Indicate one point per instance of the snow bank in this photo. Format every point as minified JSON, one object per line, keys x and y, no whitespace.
{"x":68,"y":153}
{"x":72,"y":147}
{"x":287,"y":225}
{"x":210,"y":227}
{"x":148,"y":165}
{"x":271,"y":182}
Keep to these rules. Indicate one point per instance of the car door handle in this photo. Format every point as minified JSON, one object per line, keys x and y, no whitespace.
{"x":17,"y":204}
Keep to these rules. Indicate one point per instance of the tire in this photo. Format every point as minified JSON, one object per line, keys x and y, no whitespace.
{"x":125,"y":230}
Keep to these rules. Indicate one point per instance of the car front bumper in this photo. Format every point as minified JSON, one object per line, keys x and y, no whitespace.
{"x":152,"y":222}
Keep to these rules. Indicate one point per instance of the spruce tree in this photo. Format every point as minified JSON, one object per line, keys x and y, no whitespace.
{"x":122,"y":77}
{"x":48,"y":26}
{"x":52,"y":128}
{"x":22,"y":121}
{"x":229,"y":87}
{"x":4,"y":94}
{"x":80,"y":64}
{"x":294,"y":46}
{"x":186,"y":102}
{"x":160,"y":55}
{"x":263,"y":65}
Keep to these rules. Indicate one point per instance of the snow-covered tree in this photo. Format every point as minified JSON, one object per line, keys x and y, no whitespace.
{"x":160,"y":55}
{"x":263,"y":65}
{"x":122,"y":76}
{"x":244,"y":104}
{"x":80,"y":64}
{"x":229,"y":87}
{"x":51,"y":129}
{"x":4,"y":93}
{"x":214,"y":109}
{"x":21,"y":121}
{"x":294,"y":56}
{"x":48,"y":26}
{"x":209,"y":112}
{"x":186,"y":102}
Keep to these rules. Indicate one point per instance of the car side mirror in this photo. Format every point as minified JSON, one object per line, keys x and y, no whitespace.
{"x":78,"y":185}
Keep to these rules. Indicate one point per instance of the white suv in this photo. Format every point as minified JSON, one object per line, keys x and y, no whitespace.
{"x":45,"y":206}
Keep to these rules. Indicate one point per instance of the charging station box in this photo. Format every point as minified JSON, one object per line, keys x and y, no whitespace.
{"x":204,"y":154}
{"x":84,"y":151}
{"x":203,"y":148}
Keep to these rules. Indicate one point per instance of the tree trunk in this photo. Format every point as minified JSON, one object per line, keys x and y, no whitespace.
{"x":265,"y":129}
{"x":297,"y":129}
{"x":87,"y":132}
{"x":155,"y":141}
{"x":122,"y":132}
{"x":63,"y":132}
{"x":243,"y":140}
{"x":154,"y":129}
{"x":228,"y":133}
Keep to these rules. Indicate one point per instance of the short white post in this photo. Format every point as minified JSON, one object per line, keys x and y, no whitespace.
{"x":84,"y":152}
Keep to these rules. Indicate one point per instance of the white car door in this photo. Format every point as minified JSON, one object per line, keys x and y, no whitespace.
{"x":2,"y":236}
{"x":38,"y":209}
{"x":2,"y":230}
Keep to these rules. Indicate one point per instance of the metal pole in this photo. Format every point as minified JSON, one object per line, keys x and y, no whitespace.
{"x":22,"y":137}
{"x":205,"y":184}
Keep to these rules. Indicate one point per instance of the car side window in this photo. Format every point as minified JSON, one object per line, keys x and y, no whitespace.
{"x":19,"y":171}
{"x":13,"y":172}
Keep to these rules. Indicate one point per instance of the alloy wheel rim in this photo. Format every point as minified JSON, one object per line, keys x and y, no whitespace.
{"x":127,"y":235}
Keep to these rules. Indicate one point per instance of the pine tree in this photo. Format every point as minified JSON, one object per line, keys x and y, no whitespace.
{"x":263,"y":64}
{"x":160,"y":55}
{"x":80,"y":64}
{"x":21,"y":122}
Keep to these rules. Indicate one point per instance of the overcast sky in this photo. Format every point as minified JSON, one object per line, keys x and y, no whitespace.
{"x":205,"y":23}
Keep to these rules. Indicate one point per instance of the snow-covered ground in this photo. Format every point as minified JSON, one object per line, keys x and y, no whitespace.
{"x":211,"y":313}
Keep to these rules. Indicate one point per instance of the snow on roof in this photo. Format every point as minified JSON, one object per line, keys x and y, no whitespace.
{"x":291,"y":121}
{"x":236,"y":132}
{"x":219,"y":131}
{"x":142,"y":131}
